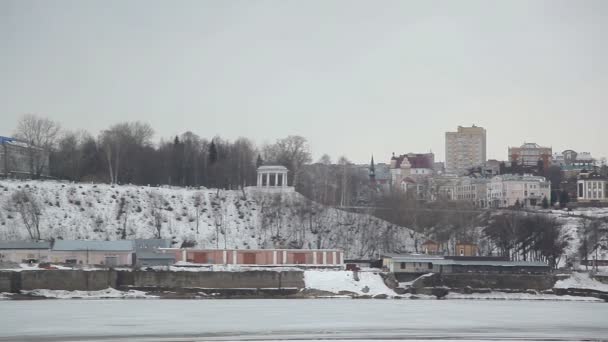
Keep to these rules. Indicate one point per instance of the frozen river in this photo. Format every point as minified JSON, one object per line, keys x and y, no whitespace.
{"x":202,"y":320}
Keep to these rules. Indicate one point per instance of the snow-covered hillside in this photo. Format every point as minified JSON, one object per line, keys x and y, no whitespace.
{"x":205,"y":217}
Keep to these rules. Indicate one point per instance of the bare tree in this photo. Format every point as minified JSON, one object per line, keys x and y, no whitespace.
{"x":156,"y":211}
{"x":198,"y":207}
{"x":40,"y":134}
{"x":292,"y":152}
{"x":30,"y":211}
{"x":121,"y":143}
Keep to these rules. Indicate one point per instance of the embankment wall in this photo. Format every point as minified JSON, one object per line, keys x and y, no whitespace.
{"x":97,"y":280}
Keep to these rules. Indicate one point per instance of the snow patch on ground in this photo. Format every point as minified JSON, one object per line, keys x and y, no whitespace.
{"x":4,"y":296}
{"x":581,"y":281}
{"x":407,"y":284}
{"x":369,"y":283}
{"x":101,"y":294}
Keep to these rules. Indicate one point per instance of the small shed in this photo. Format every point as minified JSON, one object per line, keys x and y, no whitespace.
{"x":466,"y":249}
{"x":430,"y":247}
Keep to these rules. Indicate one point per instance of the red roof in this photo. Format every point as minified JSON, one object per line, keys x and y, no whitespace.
{"x":417,"y":160}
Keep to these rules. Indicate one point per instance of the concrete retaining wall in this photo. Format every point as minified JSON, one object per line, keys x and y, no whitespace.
{"x":67,"y":280}
{"x":601,"y":278}
{"x":218,"y":280}
{"x":98,"y":280}
{"x":489,"y":281}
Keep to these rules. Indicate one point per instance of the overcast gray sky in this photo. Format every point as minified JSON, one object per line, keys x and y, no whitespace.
{"x":354,"y":77}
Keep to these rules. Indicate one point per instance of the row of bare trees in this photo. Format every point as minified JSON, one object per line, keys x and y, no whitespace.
{"x":593,"y":237}
{"x":126,"y":153}
{"x":526,"y":236}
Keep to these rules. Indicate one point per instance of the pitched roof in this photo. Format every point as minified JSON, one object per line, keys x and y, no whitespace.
{"x":88,"y":245}
{"x":25,"y":245}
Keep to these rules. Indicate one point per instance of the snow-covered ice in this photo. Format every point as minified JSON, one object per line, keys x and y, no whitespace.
{"x":301,"y":319}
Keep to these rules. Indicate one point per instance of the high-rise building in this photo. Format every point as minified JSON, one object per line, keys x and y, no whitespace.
{"x":465,"y":149}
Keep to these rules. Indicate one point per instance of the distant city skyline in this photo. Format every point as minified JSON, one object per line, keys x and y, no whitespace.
{"x":355,"y":78}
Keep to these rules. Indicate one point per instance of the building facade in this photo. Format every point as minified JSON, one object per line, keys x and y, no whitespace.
{"x":16,"y":161}
{"x":24,"y":251}
{"x":88,"y":252}
{"x":465,"y":149}
{"x":473,"y":190}
{"x":509,"y":190}
{"x":260,"y":257}
{"x":592,"y":187}
{"x":529,"y":154}
{"x":410,"y":171}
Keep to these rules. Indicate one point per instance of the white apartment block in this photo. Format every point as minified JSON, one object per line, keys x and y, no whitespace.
{"x":507,"y":190}
{"x":464,"y":149}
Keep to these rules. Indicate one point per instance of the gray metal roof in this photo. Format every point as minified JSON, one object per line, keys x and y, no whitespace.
{"x":151,"y":243}
{"x":492,"y":263}
{"x":413,"y":257}
{"x":155,"y":256}
{"x":25,"y":245}
{"x":88,"y":245}
{"x":439,"y":260}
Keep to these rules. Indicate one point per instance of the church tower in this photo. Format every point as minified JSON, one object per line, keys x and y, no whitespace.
{"x":372,"y":171}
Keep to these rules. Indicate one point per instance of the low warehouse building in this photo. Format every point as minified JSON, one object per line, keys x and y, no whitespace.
{"x":261,"y":257}
{"x":87,"y":252}
{"x":24,"y":251}
{"x":420,"y":264}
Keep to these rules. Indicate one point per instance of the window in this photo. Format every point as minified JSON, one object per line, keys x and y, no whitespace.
{"x":430,"y":266}
{"x":402,"y":266}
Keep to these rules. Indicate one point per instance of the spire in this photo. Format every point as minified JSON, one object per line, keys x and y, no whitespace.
{"x":372,"y":170}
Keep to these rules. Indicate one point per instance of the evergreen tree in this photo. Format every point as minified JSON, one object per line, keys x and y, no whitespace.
{"x":178,"y":162}
{"x":564,"y":198}
{"x":545,"y":203}
{"x":259,"y":162}
{"x":212,"y":153}
{"x":540,"y":168}
{"x":517,"y":204}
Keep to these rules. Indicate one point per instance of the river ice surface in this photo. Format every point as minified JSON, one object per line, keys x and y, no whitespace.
{"x":299,"y":319}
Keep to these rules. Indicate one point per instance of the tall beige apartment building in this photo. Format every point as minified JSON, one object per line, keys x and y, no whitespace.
{"x":464,"y":149}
